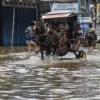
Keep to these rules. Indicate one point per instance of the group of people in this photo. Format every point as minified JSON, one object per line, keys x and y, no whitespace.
{"x":75,"y":30}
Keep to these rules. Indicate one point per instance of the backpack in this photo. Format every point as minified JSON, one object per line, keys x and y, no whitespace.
{"x":29,"y":36}
{"x":90,"y":36}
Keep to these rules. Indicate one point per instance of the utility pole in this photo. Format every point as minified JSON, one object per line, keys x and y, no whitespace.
{"x":38,"y":9}
{"x":94,"y":13}
{"x":79,"y":3}
{"x":13,"y":24}
{"x":95,"y":10}
{"x":88,"y":1}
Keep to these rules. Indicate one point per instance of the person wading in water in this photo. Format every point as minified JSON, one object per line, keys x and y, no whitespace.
{"x":91,"y":37}
{"x":30,"y":37}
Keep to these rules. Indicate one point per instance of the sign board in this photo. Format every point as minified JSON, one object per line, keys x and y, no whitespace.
{"x":72,"y":7}
{"x":85,"y":19}
{"x":84,"y":24}
{"x":61,"y":0}
{"x":84,"y":27}
{"x":64,"y":6}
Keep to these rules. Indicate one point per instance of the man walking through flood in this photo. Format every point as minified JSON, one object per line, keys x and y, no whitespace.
{"x":30,"y":36}
{"x":91,"y":37}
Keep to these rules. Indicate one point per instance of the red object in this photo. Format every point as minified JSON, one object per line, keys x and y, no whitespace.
{"x":73,"y":33}
{"x":60,"y":41}
{"x":59,"y":48}
{"x":79,"y":28}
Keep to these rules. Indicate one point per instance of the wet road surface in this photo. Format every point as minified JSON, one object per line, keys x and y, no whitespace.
{"x":20,"y":80}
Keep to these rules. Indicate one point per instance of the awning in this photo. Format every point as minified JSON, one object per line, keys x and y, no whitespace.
{"x":63,"y":12}
{"x":56,"y":16}
{"x":60,"y":1}
{"x":59,"y":14}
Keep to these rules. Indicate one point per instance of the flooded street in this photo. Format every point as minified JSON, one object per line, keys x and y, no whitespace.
{"x":33,"y":79}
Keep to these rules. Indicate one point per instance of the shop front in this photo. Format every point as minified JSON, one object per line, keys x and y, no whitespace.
{"x":16,"y":17}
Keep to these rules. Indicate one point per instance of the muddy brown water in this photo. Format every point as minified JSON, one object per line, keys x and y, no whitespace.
{"x":64,"y":81}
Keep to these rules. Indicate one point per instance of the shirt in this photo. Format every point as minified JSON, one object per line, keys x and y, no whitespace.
{"x":31,"y":31}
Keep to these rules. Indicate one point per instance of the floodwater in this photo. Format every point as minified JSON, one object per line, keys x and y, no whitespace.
{"x":33,"y":79}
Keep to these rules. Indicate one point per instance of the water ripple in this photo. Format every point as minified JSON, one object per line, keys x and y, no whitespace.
{"x":77,"y":80}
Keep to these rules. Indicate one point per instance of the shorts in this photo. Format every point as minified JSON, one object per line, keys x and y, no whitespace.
{"x":91,"y":43}
{"x":29,"y":42}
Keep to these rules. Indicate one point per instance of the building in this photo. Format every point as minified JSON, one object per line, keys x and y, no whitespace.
{"x":15,"y":16}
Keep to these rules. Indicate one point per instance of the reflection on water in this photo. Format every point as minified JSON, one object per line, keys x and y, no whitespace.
{"x":52,"y":83}
{"x":78,"y":80}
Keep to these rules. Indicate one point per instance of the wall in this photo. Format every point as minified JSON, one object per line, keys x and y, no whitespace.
{"x":1,"y":39}
{"x":24,"y":13}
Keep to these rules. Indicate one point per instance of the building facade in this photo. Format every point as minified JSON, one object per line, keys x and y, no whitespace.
{"x":1,"y":33}
{"x":15,"y":17}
